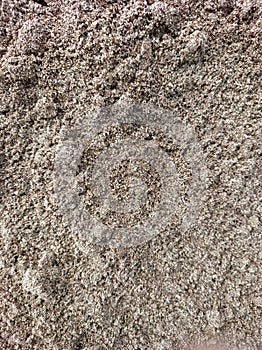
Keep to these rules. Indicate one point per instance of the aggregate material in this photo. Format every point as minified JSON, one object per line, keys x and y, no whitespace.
{"x":200,"y":59}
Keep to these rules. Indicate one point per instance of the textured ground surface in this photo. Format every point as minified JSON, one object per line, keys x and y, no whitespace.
{"x":201,"y":59}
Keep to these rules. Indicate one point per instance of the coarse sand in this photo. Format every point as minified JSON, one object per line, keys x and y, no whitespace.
{"x":202,"y":61}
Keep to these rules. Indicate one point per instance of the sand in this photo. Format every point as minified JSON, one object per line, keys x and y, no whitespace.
{"x":202,"y":61}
